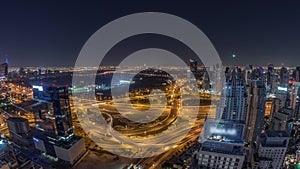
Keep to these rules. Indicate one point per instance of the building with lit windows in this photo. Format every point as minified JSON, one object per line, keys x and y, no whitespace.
{"x":53,"y":119}
{"x":256,"y":91}
{"x":223,"y":138}
{"x":282,"y":120}
{"x":4,"y":69}
{"x":270,"y":150}
{"x":295,"y":99}
{"x":284,"y":77}
{"x":272,"y":79}
{"x":223,"y":145}
{"x":56,"y":107}
{"x":233,"y":103}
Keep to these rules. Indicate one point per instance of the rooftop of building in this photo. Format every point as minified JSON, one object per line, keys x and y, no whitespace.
{"x":225,"y":121}
{"x":17,"y":119}
{"x":3,"y":147}
{"x":285,"y":111}
{"x":256,"y":158}
{"x":273,"y":138}
{"x":274,"y":133}
{"x":220,"y":130}
{"x":51,"y":138}
{"x":225,"y":140}
{"x":234,"y":148}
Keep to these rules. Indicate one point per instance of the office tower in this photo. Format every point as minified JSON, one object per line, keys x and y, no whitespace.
{"x":205,"y":83}
{"x":223,"y":146}
{"x":193,"y":65}
{"x":53,"y":119}
{"x":4,"y":69}
{"x":282,"y":92}
{"x":223,"y":138}
{"x":283,"y":95}
{"x":55,"y":107}
{"x":233,"y":103}
{"x":270,"y":150}
{"x":272,"y":79}
{"x":276,"y":105}
{"x":282,"y":120}
{"x":215,"y":75}
{"x":284,"y":77}
{"x":256,"y":109}
{"x":295,"y":99}
{"x":296,"y":74}
{"x":247,"y":72}
{"x":39,"y":70}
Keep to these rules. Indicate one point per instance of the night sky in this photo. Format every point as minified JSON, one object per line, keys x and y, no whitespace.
{"x":52,"y":33}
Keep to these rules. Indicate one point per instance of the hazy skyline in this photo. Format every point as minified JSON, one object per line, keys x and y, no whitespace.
{"x":35,"y":33}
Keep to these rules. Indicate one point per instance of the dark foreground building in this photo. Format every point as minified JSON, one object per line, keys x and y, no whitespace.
{"x":53,"y":119}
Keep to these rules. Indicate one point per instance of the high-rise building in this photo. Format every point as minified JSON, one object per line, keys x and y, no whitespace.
{"x":282,"y":92}
{"x":53,"y":118}
{"x":296,"y":74}
{"x":193,"y":65}
{"x":256,"y":109}
{"x":233,"y":103}
{"x":272,"y":79}
{"x":283,"y":95}
{"x":223,"y":145}
{"x":295,"y":99}
{"x":276,"y":105}
{"x":4,"y":69}
{"x":282,"y":120}
{"x":270,"y":150}
{"x":215,"y":74}
{"x":248,"y":71}
{"x":223,"y":138}
{"x":284,"y":77}
{"x":205,"y":83}
{"x":55,"y":108}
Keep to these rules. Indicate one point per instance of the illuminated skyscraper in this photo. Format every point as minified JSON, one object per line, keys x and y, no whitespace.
{"x":282,"y":120}
{"x":223,"y":145}
{"x":296,"y":74}
{"x":272,"y":79}
{"x":284,"y":77}
{"x":223,"y":138}
{"x":256,"y":110}
{"x":4,"y":69}
{"x":53,"y":118}
{"x":193,"y":65}
{"x":57,"y":108}
{"x":295,"y":99}
{"x":270,"y":150}
{"x":233,"y":104}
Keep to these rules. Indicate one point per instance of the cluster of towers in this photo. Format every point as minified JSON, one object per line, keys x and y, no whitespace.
{"x":240,"y":136}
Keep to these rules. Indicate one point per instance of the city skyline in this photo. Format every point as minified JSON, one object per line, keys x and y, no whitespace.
{"x":149,"y":85}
